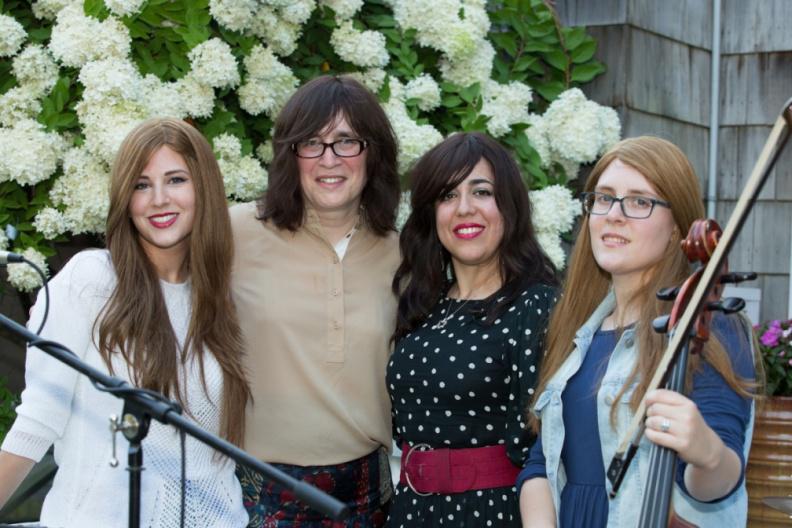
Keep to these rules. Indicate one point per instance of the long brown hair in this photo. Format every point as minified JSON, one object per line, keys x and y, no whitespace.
{"x":133,"y":323}
{"x":421,"y":276}
{"x":312,"y":108}
{"x":667,"y":169}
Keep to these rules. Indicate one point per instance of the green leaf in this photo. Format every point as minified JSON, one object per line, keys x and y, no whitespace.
{"x":573,"y":37}
{"x":586,"y":72}
{"x":557,"y":59}
{"x":469,"y":93}
{"x":60,"y":93}
{"x":537,"y":46}
{"x":550,"y":90}
{"x":505,"y":41}
{"x":96,"y":8}
{"x":583,"y":52}
{"x":450,"y":101}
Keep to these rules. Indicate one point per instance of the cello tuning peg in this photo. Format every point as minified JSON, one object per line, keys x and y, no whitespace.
{"x":667,"y":294}
{"x":736,"y":277}
{"x":660,"y":324}
{"x":728,"y":305}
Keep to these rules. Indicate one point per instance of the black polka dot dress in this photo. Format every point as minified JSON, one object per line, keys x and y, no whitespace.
{"x":465,"y":384}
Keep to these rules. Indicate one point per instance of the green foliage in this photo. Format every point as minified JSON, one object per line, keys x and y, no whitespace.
{"x":534,"y":48}
{"x":8,"y":401}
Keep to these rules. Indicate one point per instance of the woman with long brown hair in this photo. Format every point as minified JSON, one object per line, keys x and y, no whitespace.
{"x":153,"y":308}
{"x":640,"y":200}
{"x":475,"y":290}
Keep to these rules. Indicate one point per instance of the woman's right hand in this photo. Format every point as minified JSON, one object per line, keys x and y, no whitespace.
{"x":536,"y":504}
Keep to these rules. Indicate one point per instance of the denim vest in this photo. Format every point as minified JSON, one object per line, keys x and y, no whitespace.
{"x":624,"y":510}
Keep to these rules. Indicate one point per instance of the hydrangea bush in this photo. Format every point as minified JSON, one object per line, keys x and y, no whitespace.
{"x":77,"y":75}
{"x":775,"y":344}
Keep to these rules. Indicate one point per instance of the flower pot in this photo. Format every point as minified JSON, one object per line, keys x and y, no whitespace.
{"x":769,"y":470}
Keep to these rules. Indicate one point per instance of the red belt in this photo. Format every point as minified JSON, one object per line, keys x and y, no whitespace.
{"x":456,"y":470}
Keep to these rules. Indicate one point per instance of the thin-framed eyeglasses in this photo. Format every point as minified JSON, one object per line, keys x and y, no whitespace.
{"x":343,"y":148}
{"x":639,"y":207}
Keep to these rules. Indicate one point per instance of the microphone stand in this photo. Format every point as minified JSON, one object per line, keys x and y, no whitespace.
{"x":141,"y":405}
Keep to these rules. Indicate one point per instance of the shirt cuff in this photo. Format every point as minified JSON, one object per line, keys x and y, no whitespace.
{"x":28,"y":438}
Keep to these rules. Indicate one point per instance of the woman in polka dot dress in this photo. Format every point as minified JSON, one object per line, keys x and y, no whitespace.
{"x":467,"y":349}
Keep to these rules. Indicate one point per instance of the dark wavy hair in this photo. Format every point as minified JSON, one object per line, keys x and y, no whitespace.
{"x":422,"y":275}
{"x":313,"y":108}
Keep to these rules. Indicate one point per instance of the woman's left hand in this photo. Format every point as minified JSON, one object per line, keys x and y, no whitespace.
{"x":674,"y":421}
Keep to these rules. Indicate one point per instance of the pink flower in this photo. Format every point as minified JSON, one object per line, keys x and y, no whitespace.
{"x":775,"y":324}
{"x":789,"y":362}
{"x":770,"y":337}
{"x":781,"y":353}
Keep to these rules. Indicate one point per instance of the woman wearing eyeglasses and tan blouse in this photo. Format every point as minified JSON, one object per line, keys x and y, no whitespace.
{"x":314,"y":258}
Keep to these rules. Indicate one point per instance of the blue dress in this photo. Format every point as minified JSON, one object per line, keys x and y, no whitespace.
{"x":584,"y":500}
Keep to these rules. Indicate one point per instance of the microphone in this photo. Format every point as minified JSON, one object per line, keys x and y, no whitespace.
{"x":7,"y":256}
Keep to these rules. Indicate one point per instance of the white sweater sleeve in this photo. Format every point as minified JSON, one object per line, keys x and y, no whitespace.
{"x":77,"y":294}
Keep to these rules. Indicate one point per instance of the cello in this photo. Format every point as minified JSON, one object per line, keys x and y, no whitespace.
{"x":688,"y":323}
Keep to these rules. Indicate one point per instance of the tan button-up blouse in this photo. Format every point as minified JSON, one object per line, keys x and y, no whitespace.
{"x":317,"y":333}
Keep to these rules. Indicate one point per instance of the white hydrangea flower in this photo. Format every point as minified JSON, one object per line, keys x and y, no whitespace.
{"x":343,"y":9}
{"x":414,"y":139}
{"x":198,"y":99}
{"x":551,"y":245}
{"x":426,"y":90}
{"x":105,"y":126}
{"x":17,"y":104}
{"x":50,"y":222}
{"x":109,"y":81}
{"x":297,"y":11}
{"x":403,"y":213}
{"x":268,"y":85}
{"x":537,"y":137}
{"x":280,"y":35}
{"x":372,"y":78}
{"x":77,"y":39}
{"x":244,"y":178}
{"x":23,"y":277}
{"x":505,"y":105}
{"x":227,"y":146}
{"x":554,"y":209}
{"x":235,"y":15}
{"x":264,"y":151}
{"x":213,"y":64}
{"x":124,"y":7}
{"x":438,"y":25}
{"x":572,"y":122}
{"x":564,"y":133}
{"x":475,"y":68}
{"x":12,"y":35}
{"x":361,"y":48}
{"x":48,"y":9}
{"x":35,"y":69}
{"x":83,"y":192}
{"x":28,"y":153}
{"x":163,"y":99}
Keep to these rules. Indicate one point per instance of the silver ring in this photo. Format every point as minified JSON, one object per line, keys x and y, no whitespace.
{"x":665,"y":425}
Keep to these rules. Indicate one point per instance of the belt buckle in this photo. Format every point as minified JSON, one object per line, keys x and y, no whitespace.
{"x":422,"y":447}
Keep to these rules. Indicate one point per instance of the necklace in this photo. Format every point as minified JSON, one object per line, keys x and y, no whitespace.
{"x":444,"y":321}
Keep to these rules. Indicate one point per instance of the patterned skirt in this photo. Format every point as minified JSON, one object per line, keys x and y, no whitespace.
{"x":364,"y":485}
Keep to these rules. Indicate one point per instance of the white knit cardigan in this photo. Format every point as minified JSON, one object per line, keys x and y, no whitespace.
{"x":62,"y":407}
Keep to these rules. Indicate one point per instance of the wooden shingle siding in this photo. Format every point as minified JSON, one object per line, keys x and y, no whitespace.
{"x":751,"y":26}
{"x":754,"y":87}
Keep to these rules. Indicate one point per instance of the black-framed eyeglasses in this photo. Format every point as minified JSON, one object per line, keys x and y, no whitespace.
{"x":639,"y":207}
{"x":343,"y":148}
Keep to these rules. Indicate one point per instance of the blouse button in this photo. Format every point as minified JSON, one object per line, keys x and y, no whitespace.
{"x":609,"y":399}
{"x":336,"y":325}
{"x":629,"y":342}
{"x":335,"y":259}
{"x":334,"y":292}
